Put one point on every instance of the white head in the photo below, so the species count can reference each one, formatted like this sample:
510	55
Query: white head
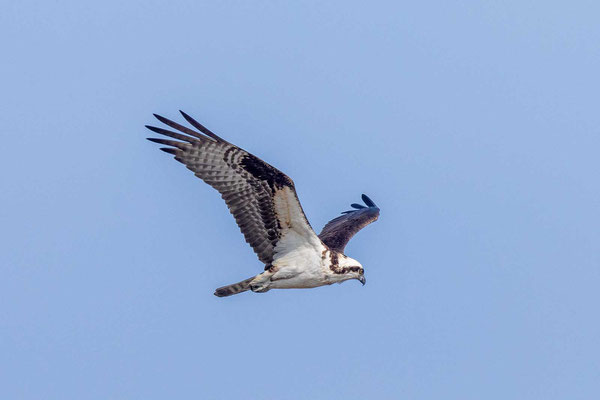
347	268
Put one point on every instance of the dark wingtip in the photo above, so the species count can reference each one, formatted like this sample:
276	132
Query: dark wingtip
166	121
368	201
153	128
159	141
200	127
192	121
169	150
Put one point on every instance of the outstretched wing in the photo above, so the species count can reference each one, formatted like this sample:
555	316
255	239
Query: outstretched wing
261	198
338	232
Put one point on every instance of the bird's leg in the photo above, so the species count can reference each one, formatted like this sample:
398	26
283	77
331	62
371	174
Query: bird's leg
261	282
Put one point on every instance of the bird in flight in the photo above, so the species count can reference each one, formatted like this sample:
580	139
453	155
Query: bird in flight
265	206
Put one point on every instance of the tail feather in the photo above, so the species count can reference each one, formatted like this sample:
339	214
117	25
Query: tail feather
234	288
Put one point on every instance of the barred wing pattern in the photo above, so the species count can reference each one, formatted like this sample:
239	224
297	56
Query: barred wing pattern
246	183
340	230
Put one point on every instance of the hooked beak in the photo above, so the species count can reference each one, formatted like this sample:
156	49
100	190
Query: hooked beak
362	279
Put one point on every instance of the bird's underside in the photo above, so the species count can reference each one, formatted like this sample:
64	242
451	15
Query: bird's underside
265	206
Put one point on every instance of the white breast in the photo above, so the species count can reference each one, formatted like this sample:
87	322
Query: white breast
300	265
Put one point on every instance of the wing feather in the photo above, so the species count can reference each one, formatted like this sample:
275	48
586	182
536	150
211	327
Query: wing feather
252	189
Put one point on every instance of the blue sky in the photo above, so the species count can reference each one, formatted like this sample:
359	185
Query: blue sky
474	126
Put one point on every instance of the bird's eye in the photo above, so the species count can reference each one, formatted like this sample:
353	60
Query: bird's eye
361	271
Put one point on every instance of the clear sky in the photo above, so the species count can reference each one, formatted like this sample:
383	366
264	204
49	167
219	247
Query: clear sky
474	125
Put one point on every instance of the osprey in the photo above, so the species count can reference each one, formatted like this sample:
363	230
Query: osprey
266	208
